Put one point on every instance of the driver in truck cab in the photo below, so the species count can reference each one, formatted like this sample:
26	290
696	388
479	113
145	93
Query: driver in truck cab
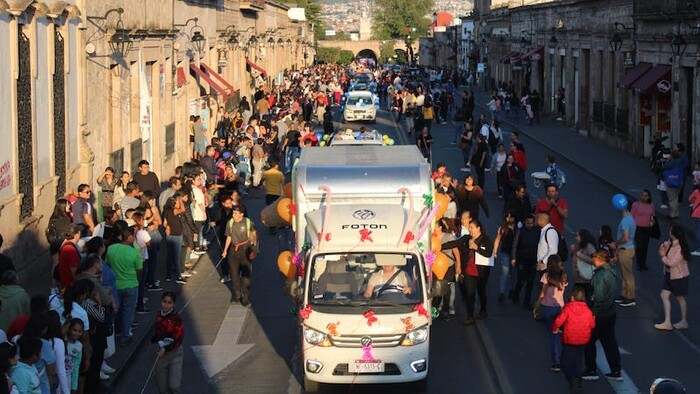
389	275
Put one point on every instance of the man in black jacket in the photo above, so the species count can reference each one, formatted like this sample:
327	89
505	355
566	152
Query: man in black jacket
520	204
524	259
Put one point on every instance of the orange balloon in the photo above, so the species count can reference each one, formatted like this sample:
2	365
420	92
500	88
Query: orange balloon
443	201
288	190
283	209
441	265
435	243
284	263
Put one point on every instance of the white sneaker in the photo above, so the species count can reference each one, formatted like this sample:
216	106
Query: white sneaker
225	279
103	376
186	275
663	206
107	369
464	169
695	253
487	169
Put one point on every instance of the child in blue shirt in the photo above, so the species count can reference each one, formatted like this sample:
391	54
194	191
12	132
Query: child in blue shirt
24	374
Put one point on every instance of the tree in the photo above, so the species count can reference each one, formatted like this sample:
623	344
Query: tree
334	55
386	51
396	19
313	15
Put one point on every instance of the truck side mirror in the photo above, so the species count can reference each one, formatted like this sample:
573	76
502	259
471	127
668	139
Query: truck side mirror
291	288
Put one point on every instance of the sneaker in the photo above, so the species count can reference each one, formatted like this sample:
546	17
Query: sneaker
168	280
482	315
590	375
555	368
663	206
681	325
619	299
487	169
225	279
628	303
103	376
614	376
453	143
107	369
153	287
464	169
695	253
181	281
143	311
186	275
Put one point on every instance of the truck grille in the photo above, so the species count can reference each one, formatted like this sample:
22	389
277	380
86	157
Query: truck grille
389	369
390	340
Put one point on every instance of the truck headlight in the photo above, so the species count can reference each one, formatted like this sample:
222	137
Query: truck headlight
316	337
415	337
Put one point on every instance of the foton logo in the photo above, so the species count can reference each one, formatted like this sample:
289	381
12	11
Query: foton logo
363	214
663	85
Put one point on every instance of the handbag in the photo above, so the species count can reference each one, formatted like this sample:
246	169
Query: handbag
585	270
655	230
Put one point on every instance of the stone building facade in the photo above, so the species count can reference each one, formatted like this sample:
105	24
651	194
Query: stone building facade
71	106
605	67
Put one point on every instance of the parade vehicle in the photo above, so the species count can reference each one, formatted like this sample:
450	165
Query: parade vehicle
360	105
359	271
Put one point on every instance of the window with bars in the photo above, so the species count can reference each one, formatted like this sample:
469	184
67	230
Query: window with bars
170	139
59	116
25	134
136	148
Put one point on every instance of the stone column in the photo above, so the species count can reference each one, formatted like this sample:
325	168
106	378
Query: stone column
675	101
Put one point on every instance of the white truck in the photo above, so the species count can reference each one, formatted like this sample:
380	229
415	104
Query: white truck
361	229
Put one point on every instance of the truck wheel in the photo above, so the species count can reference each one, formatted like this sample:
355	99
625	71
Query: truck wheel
310	386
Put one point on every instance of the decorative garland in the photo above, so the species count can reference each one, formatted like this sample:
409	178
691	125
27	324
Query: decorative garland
306	312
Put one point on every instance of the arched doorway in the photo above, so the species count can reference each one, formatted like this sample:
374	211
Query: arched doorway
367	57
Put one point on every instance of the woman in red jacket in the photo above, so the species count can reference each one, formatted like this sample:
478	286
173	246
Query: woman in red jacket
168	337
577	321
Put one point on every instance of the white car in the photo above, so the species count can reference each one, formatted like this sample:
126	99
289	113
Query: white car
360	105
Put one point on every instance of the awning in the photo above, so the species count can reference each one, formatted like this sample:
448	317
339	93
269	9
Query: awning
535	54
634	74
516	58
655	81
224	88
181	77
506	59
256	67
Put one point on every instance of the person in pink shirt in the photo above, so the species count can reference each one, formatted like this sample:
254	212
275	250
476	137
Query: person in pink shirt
643	214
694	200
675	255
550	303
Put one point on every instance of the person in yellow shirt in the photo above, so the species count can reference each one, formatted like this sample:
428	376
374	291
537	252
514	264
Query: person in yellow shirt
274	181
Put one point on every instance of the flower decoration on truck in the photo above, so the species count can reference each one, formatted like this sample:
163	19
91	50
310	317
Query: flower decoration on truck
421	311
367	353
366	235
333	329
327	237
409	237
369	315
293	209
427	199
305	312
408	324
430	259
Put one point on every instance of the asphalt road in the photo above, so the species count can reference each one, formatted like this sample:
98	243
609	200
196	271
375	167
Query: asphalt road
506	353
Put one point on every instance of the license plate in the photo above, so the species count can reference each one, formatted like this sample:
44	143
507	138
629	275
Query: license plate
362	366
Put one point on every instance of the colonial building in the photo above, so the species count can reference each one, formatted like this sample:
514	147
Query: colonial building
91	84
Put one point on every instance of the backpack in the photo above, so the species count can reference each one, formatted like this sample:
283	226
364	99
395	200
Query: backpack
673	176
562	248
251	251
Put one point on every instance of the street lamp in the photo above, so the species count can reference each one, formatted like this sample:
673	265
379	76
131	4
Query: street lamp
615	42
197	38
120	43
678	45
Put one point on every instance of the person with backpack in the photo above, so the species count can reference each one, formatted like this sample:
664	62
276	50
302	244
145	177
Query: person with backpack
673	174
548	244
241	239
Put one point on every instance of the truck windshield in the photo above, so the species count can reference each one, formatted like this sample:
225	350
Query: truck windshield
366	279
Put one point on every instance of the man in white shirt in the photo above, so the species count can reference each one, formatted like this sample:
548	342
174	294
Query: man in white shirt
549	242
199	213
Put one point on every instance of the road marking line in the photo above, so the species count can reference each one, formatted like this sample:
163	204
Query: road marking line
627	385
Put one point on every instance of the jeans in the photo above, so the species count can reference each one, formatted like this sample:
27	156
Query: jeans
174	244
548	314
126	312
481	282
572	357
465	154
504	260
290	157
153	252
142	285
605	332
641	245
626	257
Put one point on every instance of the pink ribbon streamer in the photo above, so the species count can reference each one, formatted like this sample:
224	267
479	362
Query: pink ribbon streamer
409	219
428	221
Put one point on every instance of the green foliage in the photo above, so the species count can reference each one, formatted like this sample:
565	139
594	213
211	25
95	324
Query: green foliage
334	55
339	36
396	19
386	51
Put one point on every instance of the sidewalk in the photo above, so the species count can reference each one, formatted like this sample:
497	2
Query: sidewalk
619	170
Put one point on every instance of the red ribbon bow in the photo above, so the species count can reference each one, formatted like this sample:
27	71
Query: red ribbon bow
369	315
366	235
304	313
328	237
293	209
421	311
409	237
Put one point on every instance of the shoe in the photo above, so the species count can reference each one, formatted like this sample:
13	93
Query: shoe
135	324
103	376
560	119
628	303
451	312
487	169
614	376
681	325
168	280
181	281
663	206
465	169
590	375
234	300
695	253
469	322
501	298
153	287
482	315
186	275
245	301
555	368
107	369
664	327
145	300
619	299
143	311
225	279
453	143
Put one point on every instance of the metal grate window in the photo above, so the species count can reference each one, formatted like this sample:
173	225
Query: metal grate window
59	116
116	161
136	149
25	134
170	139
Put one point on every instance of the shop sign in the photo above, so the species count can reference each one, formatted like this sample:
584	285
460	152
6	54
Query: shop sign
663	86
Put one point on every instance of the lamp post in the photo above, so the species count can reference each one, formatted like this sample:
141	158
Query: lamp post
485	61
678	47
